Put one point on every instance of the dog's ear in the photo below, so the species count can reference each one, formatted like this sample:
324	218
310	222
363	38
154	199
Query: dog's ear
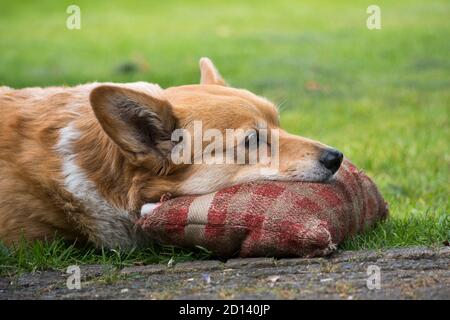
140	124
209	73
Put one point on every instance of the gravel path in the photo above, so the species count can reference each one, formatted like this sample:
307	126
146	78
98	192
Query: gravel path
411	273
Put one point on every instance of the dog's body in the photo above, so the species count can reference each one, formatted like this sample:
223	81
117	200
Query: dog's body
82	161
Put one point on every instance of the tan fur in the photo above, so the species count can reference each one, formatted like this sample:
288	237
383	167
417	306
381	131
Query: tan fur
34	198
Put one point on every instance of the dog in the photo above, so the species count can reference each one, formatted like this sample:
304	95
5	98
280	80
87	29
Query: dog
80	162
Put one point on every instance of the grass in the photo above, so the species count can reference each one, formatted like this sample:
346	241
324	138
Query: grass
59	255
382	97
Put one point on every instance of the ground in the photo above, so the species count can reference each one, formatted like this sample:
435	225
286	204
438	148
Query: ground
380	96
414	273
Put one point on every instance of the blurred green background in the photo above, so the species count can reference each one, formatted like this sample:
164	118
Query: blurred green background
380	96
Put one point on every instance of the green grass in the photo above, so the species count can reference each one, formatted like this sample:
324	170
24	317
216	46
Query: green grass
59	255
382	97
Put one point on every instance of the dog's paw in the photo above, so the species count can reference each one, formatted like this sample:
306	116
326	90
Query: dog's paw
148	208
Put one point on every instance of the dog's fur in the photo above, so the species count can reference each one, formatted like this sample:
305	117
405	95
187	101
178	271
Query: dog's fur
82	161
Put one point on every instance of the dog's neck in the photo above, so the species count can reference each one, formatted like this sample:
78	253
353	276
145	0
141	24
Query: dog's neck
96	172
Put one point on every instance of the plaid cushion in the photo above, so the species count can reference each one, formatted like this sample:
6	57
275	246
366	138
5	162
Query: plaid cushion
271	218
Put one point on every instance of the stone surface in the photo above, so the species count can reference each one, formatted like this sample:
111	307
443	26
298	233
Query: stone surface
411	273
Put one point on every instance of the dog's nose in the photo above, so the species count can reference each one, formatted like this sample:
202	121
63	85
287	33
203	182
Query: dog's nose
331	159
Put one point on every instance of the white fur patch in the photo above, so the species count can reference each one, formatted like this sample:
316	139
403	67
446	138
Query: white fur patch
112	224
148	208
208	179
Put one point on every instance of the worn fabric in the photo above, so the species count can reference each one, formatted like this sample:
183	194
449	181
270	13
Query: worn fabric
270	218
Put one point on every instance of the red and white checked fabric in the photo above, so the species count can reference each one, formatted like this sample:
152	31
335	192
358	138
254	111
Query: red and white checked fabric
270	218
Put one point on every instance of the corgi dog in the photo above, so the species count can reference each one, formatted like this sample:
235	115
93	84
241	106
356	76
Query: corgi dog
80	162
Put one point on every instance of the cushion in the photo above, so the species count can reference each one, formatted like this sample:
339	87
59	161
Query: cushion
269	218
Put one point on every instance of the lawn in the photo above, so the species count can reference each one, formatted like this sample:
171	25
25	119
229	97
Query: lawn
380	96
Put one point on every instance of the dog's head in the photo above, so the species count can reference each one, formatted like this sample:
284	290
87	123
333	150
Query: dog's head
197	139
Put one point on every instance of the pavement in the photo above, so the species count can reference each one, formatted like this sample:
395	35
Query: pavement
407	273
